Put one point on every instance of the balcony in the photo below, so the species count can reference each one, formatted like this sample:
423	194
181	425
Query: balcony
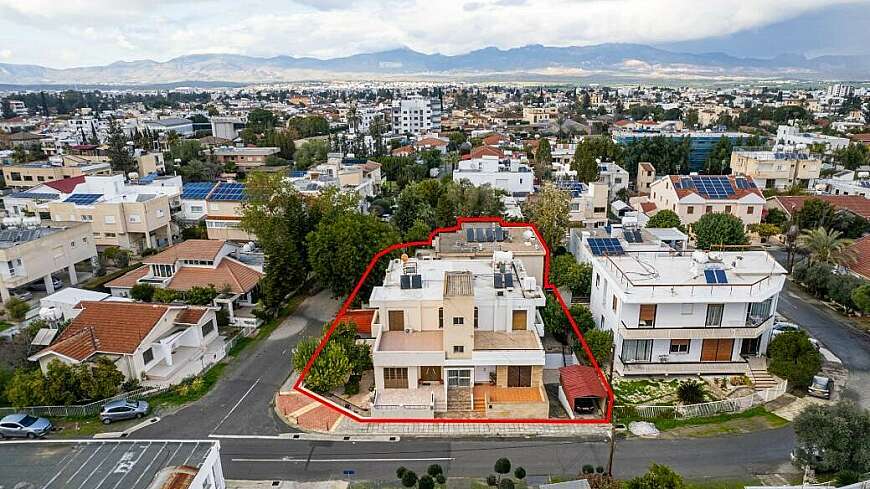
675	368
748	329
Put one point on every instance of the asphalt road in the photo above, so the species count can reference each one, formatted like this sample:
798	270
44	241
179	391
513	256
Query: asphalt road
240	404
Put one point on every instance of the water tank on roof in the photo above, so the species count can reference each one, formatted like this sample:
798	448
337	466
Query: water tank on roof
50	314
31	221
248	247
11	221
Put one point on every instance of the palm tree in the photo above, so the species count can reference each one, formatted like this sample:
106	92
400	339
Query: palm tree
827	246
353	117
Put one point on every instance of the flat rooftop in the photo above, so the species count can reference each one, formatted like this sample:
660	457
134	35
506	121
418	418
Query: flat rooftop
414	341
653	268
95	464
503	340
515	240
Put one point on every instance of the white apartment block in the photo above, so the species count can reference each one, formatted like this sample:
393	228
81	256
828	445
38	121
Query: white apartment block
416	115
613	176
792	136
844	183
777	168
683	313
361	177
839	90
458	336
515	178
693	196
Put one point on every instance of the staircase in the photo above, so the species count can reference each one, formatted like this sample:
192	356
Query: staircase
459	399
480	404
761	378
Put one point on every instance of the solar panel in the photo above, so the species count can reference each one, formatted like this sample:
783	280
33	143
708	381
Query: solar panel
196	190
864	183
714	187
720	277
498	280
34	195
149	178
490	235
228	191
710	276
632	236
508	280
416	281
469	235
479	235
83	199
605	246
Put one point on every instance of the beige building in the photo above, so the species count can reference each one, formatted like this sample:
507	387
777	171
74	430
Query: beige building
646	175
693	196
150	163
36	253
224	212
243	157
779	169
538	115
29	175
119	215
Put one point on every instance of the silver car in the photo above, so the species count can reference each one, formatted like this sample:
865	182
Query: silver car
24	426
821	387
123	409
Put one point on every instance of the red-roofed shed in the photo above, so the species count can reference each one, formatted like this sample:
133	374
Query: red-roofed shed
362	318
583	389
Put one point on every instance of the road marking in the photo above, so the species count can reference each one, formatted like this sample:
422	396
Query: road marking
344	460
312	437
239	402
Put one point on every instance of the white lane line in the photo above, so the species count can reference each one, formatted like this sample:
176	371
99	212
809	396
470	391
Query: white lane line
238	403
312	437
345	460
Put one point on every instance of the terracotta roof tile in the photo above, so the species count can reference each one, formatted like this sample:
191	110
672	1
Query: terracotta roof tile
129	279
581	381
855	203
240	277
861	248
66	185
647	207
481	151
191	315
362	318
107	327
192	249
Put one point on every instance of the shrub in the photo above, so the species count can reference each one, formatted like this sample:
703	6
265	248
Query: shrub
847	477
861	298
599	469
690	392
794	358
142	292
840	288
409	478
520	473
17	309
434	470
658	477
491	480
441	479
426	482
506	484
815	278
588	469
400	472
502	466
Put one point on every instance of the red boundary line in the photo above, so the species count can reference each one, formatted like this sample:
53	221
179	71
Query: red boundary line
547	285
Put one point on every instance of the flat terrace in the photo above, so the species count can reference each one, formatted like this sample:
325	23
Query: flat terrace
98	464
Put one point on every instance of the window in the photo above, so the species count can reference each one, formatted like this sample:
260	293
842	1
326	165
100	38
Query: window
636	350
72	244
458	321
647	316
395	378
597	280
714	314
207	328
110	219
84	239
196	208
441	317
476	317
148	356
758	311
750	209
430	374
615	303
87	218
709	209
728	209
680	346
160	213
458	349
134	218
109	235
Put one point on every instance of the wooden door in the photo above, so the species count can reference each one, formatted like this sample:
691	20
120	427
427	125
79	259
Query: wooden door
397	320
717	350
518	321
519	376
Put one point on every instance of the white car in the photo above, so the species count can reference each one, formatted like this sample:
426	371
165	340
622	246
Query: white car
780	327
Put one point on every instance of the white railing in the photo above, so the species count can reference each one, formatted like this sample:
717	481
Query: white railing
736	405
82	410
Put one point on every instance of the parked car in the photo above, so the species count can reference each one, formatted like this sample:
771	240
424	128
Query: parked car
39	285
780	327
123	409
22	295
24	426
821	387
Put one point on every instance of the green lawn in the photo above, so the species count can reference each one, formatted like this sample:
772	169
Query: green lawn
4	325
754	419
646	391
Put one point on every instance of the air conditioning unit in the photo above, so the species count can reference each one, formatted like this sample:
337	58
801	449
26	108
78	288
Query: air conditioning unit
664	358
408	330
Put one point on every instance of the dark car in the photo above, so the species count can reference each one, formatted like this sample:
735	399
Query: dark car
24	426
821	387
39	286
123	409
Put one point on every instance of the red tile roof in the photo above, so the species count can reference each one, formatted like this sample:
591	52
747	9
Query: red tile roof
430	142
239	277
191	315
130	278
861	138
403	151
647	207
481	151
362	318
192	249
107	327
861	248
581	381
494	139
66	185
855	203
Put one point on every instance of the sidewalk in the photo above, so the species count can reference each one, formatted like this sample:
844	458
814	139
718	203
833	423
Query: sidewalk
591	432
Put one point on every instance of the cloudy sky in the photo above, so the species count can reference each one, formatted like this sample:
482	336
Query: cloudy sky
64	33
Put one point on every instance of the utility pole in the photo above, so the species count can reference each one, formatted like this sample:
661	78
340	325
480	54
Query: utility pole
612	425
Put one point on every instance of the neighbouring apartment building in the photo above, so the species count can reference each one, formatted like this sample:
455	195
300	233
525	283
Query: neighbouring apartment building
683	313
416	115
646	175
692	196
243	157
588	205
515	178
29	175
777	168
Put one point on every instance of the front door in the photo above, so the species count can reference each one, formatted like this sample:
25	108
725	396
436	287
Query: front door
519	376
750	346
717	350
458	378
397	320
518	321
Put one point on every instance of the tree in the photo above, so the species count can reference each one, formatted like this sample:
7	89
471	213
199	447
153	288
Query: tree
587	154
827	246
434	470
282	140
549	212
426	482
815	277
339	250
199	171
840	288
555	322
718	229
668	155
814	213
776	217
310	153
142	292
665	218
201	296
719	157
566	272
520	473
765	230
260	120
164	296
861	298
330	369
852	156
506	484
17	308
184	150
119	154
794	358
276	213
409	479
600	343
833	438
502	466
543	159
26	388
657	477
103	379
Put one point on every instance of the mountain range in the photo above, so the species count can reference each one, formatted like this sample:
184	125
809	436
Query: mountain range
532	62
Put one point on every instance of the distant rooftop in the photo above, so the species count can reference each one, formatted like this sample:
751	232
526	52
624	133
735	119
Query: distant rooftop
14	236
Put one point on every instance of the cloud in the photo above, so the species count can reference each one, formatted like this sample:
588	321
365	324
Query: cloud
103	31
5	53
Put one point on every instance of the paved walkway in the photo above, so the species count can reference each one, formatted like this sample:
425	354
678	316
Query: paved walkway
487	430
